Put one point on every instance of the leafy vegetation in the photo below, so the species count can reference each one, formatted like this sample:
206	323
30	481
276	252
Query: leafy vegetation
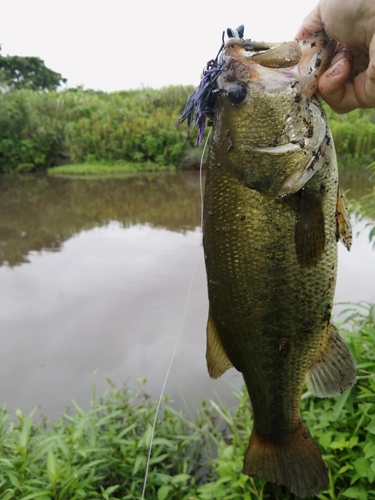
364	208
39	130
102	453
354	136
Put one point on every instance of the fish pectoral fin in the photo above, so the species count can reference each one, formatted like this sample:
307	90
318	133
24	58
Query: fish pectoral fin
309	232
333	370
343	225
216	357
293	461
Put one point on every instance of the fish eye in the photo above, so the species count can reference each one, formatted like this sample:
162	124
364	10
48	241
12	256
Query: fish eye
237	92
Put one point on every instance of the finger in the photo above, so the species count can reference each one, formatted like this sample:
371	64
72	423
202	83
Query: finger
343	53
310	25
344	95
332	86
359	93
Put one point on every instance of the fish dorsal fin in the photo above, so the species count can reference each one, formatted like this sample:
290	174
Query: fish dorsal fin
217	359
309	228
333	370
343	226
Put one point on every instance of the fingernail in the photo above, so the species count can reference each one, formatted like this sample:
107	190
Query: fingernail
336	69
341	54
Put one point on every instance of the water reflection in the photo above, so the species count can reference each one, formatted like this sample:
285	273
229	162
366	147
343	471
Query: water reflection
113	297
113	300
41	212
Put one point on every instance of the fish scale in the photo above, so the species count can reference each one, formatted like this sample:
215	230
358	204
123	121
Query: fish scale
261	314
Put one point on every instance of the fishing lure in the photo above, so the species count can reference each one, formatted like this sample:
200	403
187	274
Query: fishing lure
200	105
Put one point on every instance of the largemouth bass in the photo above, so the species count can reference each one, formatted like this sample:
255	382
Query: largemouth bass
273	215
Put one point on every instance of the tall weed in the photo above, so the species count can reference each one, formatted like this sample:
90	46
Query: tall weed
102	453
40	130
354	136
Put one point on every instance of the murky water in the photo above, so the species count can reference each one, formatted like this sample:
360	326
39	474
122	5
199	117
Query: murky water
100	277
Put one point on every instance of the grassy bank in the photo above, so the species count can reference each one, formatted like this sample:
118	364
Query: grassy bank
101	453
105	169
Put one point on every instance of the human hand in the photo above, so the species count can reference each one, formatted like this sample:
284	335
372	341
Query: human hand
349	82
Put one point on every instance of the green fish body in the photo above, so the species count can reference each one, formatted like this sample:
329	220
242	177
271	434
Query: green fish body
272	217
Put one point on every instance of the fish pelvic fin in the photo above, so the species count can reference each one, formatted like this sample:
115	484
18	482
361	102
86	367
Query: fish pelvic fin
333	370
343	226
216	357
294	462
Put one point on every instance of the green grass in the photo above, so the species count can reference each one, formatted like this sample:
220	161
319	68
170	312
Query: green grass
108	169
101	453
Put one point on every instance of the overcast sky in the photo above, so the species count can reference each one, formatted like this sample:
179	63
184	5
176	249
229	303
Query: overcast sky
126	44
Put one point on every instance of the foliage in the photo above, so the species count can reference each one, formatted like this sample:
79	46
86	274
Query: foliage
364	209
354	136
18	72
102	453
76	126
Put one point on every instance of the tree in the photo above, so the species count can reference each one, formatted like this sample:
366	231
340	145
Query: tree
27	72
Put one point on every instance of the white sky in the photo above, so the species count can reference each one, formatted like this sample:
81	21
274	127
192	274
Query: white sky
125	44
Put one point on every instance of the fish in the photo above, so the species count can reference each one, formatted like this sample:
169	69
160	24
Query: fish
272	218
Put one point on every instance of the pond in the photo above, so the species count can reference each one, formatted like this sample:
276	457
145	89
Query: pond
100	277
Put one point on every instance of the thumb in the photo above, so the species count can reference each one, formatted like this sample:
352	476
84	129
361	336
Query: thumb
310	25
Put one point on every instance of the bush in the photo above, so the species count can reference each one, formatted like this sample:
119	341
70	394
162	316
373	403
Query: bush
102	453
354	136
55	128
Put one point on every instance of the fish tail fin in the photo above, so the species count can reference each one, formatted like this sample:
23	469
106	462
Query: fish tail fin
294	462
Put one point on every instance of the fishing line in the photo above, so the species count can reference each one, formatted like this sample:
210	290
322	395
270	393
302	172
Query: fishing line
165	381
200	176
178	335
